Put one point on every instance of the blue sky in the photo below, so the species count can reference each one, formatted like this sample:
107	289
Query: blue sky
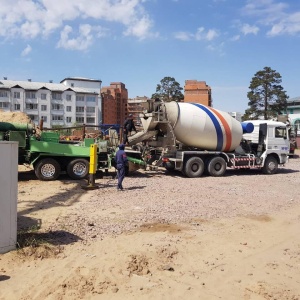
139	42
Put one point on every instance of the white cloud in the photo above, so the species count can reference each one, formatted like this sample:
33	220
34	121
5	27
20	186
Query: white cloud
288	25
140	28
248	29
29	19
26	51
235	38
209	35
201	34
183	36
84	38
217	48
278	16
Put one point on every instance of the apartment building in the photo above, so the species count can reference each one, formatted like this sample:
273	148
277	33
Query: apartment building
73	101
114	103
293	106
197	92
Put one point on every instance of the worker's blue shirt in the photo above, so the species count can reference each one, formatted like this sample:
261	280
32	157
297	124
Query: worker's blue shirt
121	159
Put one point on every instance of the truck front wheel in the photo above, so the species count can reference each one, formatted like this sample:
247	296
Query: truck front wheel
270	166
47	169
194	167
78	168
216	166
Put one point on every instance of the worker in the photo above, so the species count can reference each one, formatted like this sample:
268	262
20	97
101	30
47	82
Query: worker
128	128
121	163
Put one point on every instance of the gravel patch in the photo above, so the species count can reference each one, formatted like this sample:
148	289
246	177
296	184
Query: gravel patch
163	197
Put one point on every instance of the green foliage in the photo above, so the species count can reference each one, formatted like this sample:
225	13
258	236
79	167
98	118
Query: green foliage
267	98
168	90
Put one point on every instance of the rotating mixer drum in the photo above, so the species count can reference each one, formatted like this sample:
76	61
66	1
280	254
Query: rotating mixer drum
204	127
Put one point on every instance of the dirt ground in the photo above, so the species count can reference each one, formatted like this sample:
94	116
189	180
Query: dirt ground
164	237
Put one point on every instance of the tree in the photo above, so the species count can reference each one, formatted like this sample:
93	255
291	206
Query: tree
267	97
168	90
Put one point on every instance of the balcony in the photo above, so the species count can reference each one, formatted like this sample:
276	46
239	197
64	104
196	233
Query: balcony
31	101
58	112
57	122
29	111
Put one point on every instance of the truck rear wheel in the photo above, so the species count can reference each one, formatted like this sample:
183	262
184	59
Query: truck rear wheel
78	168
194	167
47	169
270	166
216	166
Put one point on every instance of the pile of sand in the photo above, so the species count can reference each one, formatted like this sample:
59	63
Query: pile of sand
14	117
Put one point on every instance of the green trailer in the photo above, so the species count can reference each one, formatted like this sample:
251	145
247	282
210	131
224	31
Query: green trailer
49	156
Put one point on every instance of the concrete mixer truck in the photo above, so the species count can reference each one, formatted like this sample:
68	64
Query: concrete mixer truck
196	139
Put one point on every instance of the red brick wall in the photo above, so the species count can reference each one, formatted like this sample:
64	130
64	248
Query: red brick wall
114	103
197	92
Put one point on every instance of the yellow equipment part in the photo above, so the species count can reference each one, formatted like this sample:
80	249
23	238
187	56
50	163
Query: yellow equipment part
93	159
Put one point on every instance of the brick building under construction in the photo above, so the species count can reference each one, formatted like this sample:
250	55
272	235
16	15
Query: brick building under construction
197	92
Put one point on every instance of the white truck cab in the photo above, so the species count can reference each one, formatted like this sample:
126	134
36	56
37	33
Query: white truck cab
272	137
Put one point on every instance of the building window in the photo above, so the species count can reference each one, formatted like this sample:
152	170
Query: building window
30	95
79	98
91	99
43	107
17	95
55	106
31	106
3	104
69	119
79	119
17	106
80	109
43	96
69	108
44	118
90	109
90	120
33	117
57	118
56	96
3	94
69	97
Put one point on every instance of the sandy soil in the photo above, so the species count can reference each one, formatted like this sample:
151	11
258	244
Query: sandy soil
164	237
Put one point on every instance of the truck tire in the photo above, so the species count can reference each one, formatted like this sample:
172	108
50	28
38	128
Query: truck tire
270	166
194	167
78	168
216	166
169	166
47	169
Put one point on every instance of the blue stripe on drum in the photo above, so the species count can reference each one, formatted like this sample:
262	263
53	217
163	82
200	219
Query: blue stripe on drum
216	124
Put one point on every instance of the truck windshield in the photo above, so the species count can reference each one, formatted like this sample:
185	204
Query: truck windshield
280	132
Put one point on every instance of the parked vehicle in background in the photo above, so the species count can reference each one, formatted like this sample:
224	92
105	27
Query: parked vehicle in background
293	133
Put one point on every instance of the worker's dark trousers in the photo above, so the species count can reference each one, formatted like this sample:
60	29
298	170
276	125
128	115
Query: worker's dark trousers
121	175
125	138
